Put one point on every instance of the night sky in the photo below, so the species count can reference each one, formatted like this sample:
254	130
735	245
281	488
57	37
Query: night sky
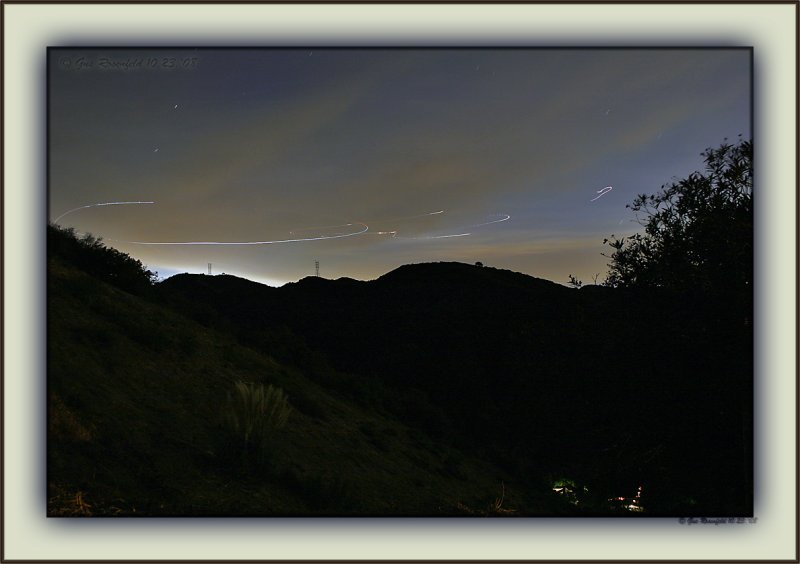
368	159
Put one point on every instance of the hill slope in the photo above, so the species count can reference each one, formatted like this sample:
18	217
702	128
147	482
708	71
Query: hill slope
136	393
436	389
608	386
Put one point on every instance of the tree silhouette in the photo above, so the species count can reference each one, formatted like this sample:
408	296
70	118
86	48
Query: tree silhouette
698	230
106	263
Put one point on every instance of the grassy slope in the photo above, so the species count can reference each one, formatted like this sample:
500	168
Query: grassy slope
613	388
135	393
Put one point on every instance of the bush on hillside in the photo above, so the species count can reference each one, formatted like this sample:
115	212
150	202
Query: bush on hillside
698	230
88	253
253	412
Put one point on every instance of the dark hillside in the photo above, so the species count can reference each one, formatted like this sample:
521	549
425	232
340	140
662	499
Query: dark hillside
608	385
413	394
136	396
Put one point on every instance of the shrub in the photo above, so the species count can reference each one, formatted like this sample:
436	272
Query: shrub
88	253
253	412
698	230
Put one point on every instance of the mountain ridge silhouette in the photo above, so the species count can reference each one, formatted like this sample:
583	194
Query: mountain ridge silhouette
445	369
522	369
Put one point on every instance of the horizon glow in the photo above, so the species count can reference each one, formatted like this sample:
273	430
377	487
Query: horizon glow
256	143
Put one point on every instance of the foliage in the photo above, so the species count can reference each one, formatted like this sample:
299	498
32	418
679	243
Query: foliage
493	509
66	504
698	230
90	254
574	282
253	412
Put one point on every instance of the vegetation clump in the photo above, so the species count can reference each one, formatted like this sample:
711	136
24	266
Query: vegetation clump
88	253
253	412
698	230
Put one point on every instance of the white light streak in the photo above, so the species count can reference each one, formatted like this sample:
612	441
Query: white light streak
393	232
352	232
438	236
240	243
602	192
98	205
415	216
447	236
320	228
506	218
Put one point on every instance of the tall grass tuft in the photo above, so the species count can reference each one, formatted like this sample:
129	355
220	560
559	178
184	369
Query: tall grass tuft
253	412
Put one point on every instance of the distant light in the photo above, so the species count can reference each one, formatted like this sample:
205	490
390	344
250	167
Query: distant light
99	205
602	192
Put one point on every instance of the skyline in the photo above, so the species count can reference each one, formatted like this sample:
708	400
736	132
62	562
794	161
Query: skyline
263	161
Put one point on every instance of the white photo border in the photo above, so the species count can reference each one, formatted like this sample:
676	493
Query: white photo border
771	29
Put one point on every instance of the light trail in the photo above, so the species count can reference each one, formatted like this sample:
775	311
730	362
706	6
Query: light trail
240	243
602	192
414	216
98	205
506	218
448	236
435	236
418	215
364	228
319	228
393	232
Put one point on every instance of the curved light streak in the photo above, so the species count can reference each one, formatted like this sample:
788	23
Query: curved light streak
240	243
506	218
319	228
365	228
445	236
416	216
98	205
436	236
602	192
448	236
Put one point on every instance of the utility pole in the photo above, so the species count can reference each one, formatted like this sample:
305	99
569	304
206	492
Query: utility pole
316	266
209	269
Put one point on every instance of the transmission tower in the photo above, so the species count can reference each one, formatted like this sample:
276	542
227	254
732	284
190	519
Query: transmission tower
316	266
